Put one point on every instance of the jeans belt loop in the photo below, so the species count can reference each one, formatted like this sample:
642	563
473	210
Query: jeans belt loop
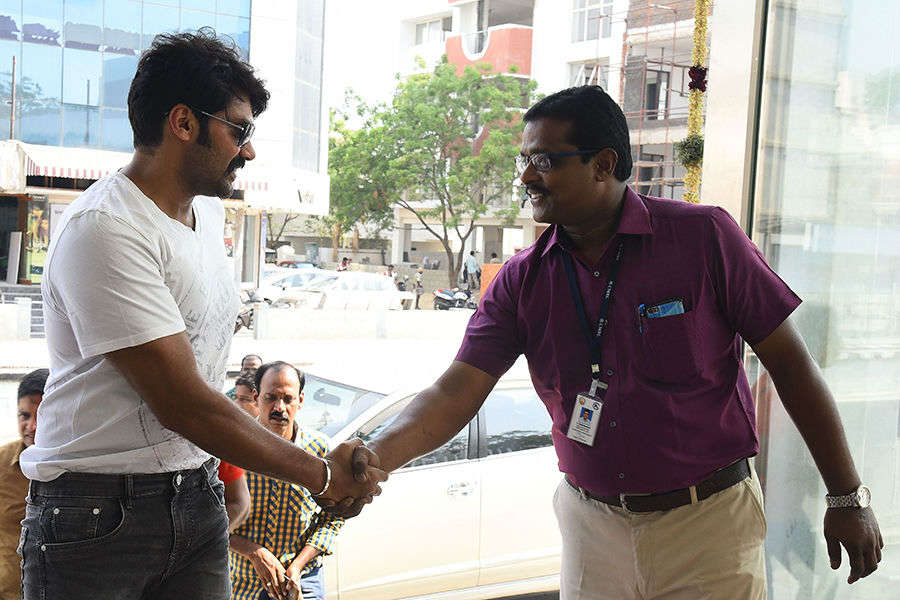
693	490
622	502
129	491
584	493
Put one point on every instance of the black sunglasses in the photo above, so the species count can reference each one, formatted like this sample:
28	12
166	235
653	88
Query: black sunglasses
246	130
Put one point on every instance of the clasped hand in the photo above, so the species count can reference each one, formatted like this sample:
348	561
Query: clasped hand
351	488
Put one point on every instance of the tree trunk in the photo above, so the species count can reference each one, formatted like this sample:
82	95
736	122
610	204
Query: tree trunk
335	242
356	240
452	270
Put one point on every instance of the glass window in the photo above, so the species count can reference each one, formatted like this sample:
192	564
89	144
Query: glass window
456	449
115	130
42	70
83	20
81	126
10	19
311	16
234	7
516	420
238	29
207	5
39	122
827	218
192	20
328	405
158	19
42	21
122	27
591	19
118	71
309	59
81	76
8	49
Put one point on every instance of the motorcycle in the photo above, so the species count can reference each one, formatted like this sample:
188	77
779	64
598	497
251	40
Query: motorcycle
445	299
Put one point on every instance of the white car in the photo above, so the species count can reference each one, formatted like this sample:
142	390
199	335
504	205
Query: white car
348	289
280	282
471	520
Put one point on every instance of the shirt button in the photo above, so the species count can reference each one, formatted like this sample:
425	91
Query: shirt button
596	273
621	475
55	511
178	479
96	511
43	547
609	372
612	423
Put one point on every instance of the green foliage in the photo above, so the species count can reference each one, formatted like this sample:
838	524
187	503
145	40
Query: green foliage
689	151
443	149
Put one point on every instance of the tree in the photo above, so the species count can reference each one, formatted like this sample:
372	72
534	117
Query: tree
277	225
444	150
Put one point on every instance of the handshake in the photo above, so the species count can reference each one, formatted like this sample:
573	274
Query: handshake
355	479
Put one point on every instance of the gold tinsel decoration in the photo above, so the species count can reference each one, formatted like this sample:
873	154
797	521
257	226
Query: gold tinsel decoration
695	108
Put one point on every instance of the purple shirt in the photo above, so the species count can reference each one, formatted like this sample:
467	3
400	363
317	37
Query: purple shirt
678	405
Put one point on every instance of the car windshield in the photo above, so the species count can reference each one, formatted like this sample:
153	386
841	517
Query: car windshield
320	282
328	405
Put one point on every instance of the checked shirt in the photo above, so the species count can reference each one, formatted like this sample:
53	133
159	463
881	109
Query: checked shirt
283	518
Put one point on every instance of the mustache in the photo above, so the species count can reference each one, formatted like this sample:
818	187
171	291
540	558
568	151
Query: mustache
237	163
277	416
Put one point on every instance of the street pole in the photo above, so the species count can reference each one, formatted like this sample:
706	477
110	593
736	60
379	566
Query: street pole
12	108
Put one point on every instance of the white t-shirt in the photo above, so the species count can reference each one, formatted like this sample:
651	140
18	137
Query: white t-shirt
121	273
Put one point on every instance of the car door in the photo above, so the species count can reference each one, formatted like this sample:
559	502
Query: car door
421	535
519	538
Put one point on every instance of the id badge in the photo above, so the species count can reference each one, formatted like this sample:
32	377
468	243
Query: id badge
585	419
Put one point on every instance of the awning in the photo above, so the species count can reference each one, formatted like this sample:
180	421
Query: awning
88	163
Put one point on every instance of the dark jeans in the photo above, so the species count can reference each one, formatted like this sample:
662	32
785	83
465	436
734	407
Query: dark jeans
99	537
312	586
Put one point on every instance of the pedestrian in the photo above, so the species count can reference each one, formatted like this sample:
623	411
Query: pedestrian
249	365
140	308
631	311
345	262
237	496
495	260
419	286
14	485
279	550
473	271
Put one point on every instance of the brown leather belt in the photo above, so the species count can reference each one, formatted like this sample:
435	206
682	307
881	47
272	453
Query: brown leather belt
718	481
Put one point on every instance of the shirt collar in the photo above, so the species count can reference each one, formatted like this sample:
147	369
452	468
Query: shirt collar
635	220
14	459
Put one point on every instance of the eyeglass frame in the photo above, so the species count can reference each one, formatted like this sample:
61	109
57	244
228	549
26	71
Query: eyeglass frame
529	160
246	130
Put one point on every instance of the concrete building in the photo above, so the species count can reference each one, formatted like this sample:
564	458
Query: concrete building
73	65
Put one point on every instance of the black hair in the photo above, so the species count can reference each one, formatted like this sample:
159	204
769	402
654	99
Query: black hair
251	356
33	383
278	365
246	381
596	122
197	69
472	252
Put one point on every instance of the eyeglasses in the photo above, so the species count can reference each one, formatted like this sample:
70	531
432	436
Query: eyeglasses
543	161
246	130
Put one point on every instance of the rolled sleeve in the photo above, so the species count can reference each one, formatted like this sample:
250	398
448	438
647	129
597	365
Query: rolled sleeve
492	342
325	532
753	297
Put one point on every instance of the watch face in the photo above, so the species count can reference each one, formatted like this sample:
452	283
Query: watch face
864	496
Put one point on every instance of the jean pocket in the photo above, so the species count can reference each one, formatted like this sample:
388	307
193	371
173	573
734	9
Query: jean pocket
670	348
217	490
77	522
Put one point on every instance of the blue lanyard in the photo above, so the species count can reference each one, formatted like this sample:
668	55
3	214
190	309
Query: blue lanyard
593	340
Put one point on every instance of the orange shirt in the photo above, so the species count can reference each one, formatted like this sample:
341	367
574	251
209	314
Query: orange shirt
229	473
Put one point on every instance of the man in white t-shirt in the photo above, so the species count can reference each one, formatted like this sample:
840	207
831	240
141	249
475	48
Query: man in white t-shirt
140	306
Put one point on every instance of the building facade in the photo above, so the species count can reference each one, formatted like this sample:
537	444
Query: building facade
72	62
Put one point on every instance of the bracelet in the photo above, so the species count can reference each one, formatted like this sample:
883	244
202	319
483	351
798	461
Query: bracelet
327	478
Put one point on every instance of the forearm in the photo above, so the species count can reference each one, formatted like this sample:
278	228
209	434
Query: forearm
237	514
811	406
242	546
302	559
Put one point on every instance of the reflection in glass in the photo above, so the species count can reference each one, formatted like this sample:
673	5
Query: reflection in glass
39	123
83	20
42	21
8	49
118	71
122	27
234	7
10	19
115	130
828	220
42	67
81	77
238	29
207	5
192	20
158	19
81	126
516	420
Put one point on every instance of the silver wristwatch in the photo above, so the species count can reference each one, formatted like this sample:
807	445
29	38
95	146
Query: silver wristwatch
859	498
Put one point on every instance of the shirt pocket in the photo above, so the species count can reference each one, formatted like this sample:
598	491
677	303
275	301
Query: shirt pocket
670	348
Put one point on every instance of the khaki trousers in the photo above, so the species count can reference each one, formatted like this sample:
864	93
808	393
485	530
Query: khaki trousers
712	550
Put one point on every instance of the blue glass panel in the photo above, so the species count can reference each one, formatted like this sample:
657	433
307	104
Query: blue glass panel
308	63
118	71
234	7
82	24
238	29
42	21
115	130
81	77
122	27
39	123
311	17
208	5
81	126
192	20
10	19
158	19
8	49
42	71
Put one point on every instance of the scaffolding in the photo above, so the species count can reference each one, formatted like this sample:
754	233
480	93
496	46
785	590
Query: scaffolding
653	80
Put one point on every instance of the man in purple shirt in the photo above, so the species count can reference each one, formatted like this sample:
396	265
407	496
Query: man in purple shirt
632	311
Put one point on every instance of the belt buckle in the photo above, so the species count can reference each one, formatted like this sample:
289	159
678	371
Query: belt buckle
622	502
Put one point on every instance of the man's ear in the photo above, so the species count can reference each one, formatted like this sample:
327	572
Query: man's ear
605	163
182	122
255	395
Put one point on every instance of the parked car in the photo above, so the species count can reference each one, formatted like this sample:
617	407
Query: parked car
472	520
295	264
279	283
348	289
